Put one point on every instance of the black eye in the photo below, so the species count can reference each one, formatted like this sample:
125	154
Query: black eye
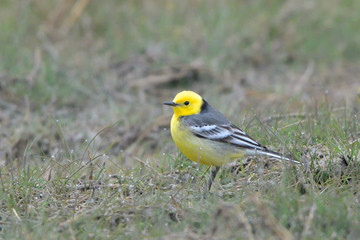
186	103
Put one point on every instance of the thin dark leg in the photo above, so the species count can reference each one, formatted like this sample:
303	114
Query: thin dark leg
212	177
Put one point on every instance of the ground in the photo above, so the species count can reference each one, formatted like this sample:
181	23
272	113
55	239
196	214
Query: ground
85	147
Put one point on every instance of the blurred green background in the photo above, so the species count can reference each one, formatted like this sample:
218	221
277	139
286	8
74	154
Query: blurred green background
82	84
91	63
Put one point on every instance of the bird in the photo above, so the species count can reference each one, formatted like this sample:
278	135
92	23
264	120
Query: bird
206	136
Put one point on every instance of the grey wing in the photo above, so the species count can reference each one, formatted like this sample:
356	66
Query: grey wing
227	134
231	134
215	127
212	125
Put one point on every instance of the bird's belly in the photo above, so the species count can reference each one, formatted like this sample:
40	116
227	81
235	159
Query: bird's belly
204	151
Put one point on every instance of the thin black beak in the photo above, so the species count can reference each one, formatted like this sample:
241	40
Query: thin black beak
171	104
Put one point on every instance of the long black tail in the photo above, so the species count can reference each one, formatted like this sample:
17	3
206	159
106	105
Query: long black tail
274	154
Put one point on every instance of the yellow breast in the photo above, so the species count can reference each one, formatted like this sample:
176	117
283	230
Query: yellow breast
201	150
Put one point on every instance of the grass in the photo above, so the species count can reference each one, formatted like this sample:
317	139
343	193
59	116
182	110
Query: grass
86	151
71	195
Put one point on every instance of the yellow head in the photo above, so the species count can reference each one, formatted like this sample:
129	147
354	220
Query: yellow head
186	103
